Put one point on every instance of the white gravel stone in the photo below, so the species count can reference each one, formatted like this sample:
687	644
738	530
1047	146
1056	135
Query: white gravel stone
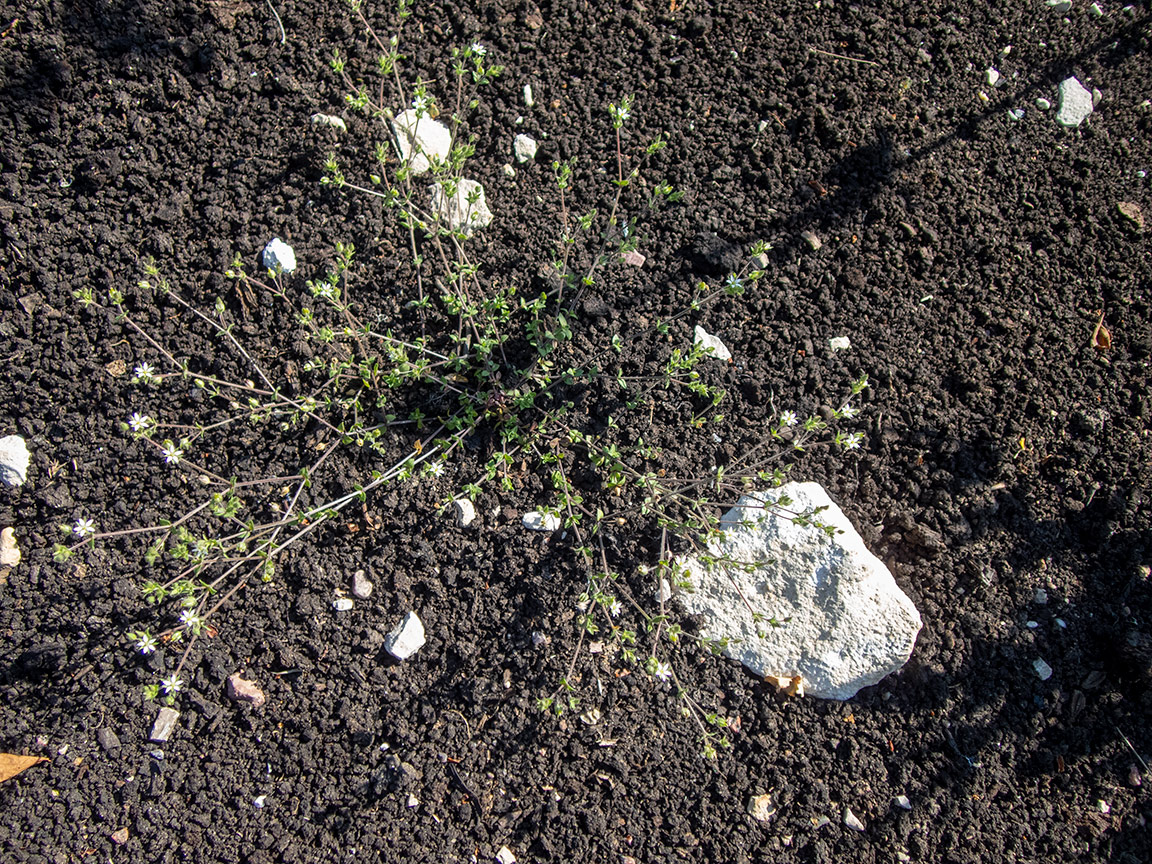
164	726
1040	598
407	638
329	120
851	820
1095	11
505	856
664	592
1061	6
9	551
1075	103
457	210
634	259
1097	98
1043	104
524	148
843	623
278	255
361	585
342	604
813	241
839	343
529	99
509	171
992	76
760	808
421	139
465	512
1043	670
14	460
902	802
534	520
705	339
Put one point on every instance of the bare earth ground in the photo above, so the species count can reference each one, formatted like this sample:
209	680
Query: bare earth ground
968	256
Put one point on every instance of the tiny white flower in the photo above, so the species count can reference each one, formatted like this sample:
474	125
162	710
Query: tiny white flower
139	422
172	684
191	620
479	49
145	372
788	418
663	671
614	607
852	442
436	469
146	643
848	412
84	528
421	103
733	281
172	453
624	114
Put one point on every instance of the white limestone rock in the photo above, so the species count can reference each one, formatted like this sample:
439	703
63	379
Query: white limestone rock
465	512
705	339
14	459
278	255
460	213
842	623
407	638
330	120
9	549
524	147
421	139
1075	103
533	520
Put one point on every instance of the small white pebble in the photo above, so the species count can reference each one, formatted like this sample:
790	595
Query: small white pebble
902	802
528	98
509	171
982	96
1061	623
1031	625
278	254
1097	97
505	856
1041	597
1043	104
1095	11
851	820
1103	807
1043	670
992	76
342	604
258	801
839	343
413	801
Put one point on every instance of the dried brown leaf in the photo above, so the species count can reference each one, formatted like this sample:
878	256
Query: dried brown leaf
11	764
1101	337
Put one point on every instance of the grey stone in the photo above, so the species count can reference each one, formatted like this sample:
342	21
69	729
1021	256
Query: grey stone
711	344
240	690
465	512
533	520
361	586
164	726
1075	103
107	740
524	148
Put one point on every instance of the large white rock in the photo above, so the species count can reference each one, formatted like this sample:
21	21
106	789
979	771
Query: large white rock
14	460
524	147
841	622
278	255
1075	103
421	139
460	213
707	341
407	638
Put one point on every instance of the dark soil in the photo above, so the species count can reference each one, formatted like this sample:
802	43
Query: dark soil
968	257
